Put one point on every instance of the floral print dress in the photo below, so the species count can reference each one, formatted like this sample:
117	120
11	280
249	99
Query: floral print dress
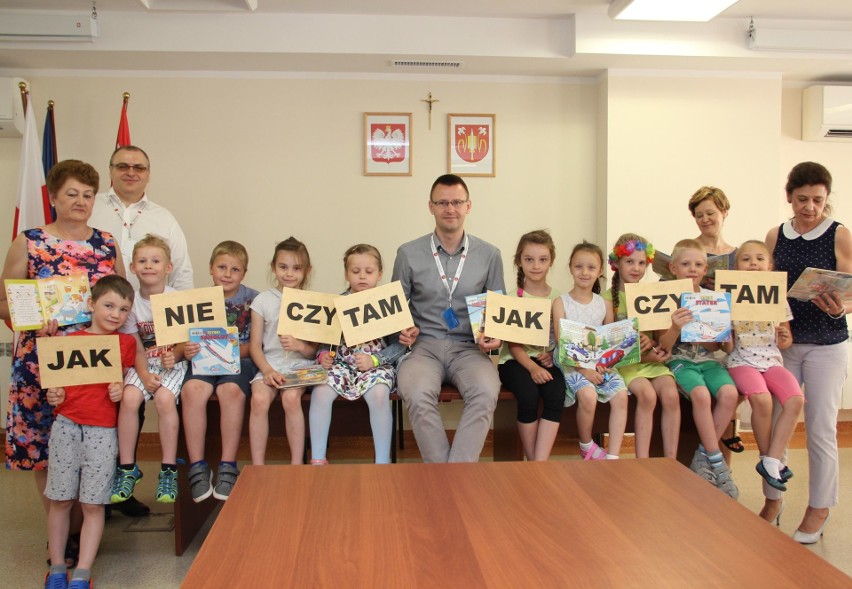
29	416
350	383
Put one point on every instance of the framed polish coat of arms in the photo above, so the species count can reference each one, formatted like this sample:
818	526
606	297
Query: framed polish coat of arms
471	149
387	144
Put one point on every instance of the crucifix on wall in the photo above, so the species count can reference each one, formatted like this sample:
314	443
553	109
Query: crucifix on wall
430	101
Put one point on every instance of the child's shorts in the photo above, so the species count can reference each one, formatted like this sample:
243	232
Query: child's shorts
689	375
172	379
605	391
777	381
243	380
82	462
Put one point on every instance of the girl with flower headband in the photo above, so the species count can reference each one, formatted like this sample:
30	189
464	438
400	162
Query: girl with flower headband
650	378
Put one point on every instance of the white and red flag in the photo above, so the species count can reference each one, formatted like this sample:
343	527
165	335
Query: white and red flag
33	208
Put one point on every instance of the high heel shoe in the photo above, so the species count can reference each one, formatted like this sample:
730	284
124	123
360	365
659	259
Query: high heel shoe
805	538
777	517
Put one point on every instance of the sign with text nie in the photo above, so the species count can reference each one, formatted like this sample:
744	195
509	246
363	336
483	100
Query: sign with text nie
373	313
88	359
521	320
175	312
309	316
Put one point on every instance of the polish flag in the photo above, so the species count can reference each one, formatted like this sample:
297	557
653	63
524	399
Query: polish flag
33	208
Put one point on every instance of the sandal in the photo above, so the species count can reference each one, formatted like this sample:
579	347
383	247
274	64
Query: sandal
734	443
319	462
594	453
72	551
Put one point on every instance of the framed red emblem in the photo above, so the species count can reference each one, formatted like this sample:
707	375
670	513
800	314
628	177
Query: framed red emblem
387	144
471	144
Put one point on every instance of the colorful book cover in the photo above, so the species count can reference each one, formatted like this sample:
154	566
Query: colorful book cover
816	281
661	261
593	346
305	377
711	317
220	350
33	303
476	312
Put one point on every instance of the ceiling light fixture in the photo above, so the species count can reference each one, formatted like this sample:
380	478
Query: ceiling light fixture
669	10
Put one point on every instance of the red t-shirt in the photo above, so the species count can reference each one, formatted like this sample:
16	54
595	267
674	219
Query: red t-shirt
89	404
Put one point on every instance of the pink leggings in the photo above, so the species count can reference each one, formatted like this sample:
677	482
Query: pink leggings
777	380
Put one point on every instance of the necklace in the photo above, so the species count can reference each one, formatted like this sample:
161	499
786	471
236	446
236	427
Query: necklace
128	226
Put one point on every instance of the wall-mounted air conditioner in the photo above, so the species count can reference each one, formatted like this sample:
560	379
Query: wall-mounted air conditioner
34	26
11	108
827	113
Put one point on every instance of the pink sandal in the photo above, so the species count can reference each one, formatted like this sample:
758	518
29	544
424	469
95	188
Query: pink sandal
319	462
594	453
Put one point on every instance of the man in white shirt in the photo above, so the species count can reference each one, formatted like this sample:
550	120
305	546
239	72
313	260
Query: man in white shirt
126	212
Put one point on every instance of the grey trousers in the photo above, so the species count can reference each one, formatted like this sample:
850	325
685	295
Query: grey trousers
822	371
432	363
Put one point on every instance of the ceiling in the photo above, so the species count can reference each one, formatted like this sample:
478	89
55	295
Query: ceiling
544	38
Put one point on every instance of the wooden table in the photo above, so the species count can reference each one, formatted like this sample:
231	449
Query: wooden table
628	523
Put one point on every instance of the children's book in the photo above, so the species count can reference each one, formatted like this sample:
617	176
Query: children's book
32	303
305	377
711	317
714	262
476	311
816	281
220	350
593	346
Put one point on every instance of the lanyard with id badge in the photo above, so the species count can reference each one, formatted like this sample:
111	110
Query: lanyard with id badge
449	315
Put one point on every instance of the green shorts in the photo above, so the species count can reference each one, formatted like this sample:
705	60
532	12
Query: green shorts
689	375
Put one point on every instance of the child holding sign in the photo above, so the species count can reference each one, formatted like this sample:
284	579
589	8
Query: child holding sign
528	371
365	370
699	376
274	354
755	364
650	378
158	374
586	386
228	266
83	442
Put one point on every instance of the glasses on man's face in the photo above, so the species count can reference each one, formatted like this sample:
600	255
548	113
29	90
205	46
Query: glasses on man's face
122	167
443	204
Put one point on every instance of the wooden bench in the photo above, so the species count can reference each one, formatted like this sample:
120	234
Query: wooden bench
353	419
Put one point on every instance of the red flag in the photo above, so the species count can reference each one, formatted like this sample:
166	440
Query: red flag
33	209
123	128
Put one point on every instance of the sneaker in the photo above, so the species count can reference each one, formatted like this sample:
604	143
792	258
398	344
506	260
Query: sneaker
81	584
724	481
226	478
56	581
125	482
200	476
167	486
699	462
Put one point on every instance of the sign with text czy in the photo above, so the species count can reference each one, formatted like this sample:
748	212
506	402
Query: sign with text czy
90	359
175	312
309	316
653	303
755	296
373	313
520	320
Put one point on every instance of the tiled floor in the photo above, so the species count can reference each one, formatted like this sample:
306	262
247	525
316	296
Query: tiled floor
146	559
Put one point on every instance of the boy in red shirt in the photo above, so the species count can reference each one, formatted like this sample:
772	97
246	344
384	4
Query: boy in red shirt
84	442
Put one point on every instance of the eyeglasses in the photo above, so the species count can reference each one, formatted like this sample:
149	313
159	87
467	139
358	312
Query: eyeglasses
443	204
122	167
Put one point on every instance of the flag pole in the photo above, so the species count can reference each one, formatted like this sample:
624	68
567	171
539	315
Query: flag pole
24	94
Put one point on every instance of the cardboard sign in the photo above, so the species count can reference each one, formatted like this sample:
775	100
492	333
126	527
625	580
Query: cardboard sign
87	359
175	312
653	303
521	320
755	296
373	313
309	316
